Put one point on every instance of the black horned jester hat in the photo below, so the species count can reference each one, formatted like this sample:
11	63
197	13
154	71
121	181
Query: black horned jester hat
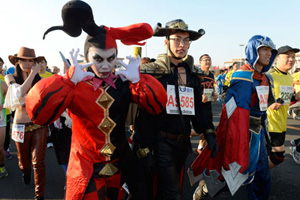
77	16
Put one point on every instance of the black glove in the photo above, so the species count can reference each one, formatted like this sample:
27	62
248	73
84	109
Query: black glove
211	142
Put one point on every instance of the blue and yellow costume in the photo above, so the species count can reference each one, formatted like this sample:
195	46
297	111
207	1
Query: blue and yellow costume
242	156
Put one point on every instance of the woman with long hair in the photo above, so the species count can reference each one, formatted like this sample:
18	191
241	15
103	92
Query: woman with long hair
30	138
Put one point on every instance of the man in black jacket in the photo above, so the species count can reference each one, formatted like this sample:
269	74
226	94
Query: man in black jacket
171	129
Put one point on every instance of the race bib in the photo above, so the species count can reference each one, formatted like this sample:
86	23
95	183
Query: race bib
230	107
263	94
209	93
186	98
18	132
286	93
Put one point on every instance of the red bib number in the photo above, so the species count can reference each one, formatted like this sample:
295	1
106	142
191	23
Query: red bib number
18	132
186	98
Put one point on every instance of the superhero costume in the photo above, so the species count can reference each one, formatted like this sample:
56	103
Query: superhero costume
242	156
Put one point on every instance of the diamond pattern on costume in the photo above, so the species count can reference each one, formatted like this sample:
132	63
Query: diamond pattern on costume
107	125
105	100
108	149
108	170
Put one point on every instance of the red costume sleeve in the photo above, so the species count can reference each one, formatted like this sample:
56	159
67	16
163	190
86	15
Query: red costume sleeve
48	99
149	94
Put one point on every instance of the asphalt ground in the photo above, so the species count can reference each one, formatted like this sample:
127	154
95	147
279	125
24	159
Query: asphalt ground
285	177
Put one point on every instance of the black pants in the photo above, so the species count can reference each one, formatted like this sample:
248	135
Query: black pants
170	156
145	174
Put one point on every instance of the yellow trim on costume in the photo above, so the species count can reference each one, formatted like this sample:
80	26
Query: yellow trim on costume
245	79
107	124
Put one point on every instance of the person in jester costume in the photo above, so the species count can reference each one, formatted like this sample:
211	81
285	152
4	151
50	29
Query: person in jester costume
97	100
242	133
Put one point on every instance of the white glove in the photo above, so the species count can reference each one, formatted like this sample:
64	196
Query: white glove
78	74
132	72
68	121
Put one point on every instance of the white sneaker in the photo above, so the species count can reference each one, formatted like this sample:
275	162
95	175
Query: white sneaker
295	155
292	142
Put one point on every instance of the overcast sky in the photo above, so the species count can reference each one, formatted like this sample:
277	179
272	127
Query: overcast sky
228	24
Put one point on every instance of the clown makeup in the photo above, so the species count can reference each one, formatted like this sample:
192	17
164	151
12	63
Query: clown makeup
103	61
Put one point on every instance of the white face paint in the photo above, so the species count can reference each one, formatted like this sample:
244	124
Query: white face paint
103	61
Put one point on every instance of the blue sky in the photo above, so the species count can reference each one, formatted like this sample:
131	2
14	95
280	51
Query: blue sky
228	24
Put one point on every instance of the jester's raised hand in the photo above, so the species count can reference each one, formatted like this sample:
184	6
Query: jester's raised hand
79	74
132	72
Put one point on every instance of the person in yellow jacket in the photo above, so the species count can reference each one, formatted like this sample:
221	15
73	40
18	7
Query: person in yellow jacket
284	93
229	74
43	72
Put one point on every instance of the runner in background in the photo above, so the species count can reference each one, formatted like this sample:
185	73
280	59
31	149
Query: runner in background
284	93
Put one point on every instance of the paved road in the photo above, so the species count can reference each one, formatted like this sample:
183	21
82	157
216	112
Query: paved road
285	178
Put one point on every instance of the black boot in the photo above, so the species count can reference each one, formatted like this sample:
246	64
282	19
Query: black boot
26	178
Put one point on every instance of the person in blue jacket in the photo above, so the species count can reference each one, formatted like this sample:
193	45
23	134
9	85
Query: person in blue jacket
242	135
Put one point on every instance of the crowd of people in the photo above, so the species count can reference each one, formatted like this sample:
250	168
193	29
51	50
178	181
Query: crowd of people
84	112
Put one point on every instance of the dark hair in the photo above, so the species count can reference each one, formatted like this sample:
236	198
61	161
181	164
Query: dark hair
203	56
175	31
145	60
1	60
221	70
230	67
19	78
